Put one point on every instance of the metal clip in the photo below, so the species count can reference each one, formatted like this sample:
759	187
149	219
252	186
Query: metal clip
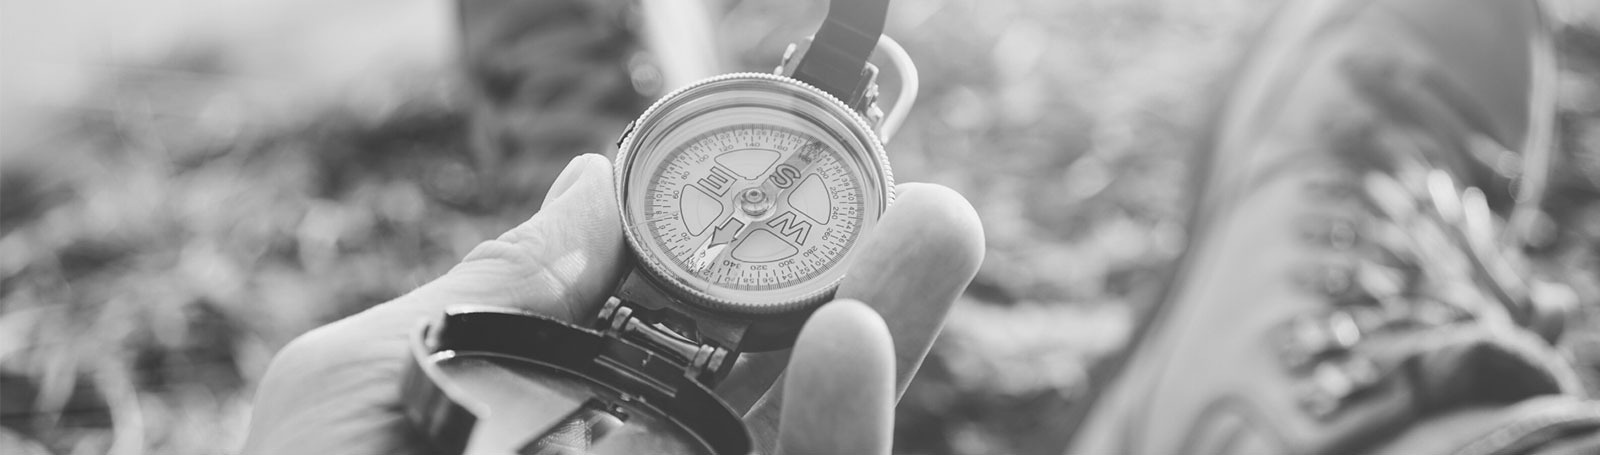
702	363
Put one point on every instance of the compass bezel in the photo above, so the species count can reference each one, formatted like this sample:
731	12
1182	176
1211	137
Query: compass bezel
860	144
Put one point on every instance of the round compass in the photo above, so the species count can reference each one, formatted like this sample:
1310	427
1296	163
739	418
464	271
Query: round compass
744	199
750	193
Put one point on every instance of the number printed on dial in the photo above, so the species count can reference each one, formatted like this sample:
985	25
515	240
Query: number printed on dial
754	207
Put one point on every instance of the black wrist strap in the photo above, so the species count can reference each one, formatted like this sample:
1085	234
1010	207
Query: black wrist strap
839	51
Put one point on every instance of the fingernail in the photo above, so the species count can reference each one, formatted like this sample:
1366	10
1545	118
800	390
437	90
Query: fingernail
569	177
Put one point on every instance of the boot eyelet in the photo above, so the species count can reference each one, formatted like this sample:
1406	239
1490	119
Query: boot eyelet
1333	384
1307	340
1337	233
1336	282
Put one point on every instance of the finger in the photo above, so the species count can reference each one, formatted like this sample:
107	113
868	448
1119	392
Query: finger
840	386
923	254
563	262
918	259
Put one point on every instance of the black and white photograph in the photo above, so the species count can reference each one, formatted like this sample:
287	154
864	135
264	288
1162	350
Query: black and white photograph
796	227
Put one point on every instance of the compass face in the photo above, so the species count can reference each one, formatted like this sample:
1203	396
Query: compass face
750	201
714	185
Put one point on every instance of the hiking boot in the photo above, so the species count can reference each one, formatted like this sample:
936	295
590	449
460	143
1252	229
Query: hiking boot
1351	283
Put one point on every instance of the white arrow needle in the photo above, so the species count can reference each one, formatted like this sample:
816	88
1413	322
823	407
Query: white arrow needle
719	240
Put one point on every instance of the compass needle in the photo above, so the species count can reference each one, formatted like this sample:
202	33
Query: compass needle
717	243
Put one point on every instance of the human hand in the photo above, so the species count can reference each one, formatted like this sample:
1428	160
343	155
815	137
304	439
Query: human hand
336	389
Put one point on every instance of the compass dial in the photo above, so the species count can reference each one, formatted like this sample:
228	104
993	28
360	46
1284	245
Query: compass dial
755	207
750	205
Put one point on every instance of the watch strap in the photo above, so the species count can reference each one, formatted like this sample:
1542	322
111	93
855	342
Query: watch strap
838	52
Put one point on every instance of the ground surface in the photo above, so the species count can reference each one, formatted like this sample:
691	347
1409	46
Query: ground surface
174	208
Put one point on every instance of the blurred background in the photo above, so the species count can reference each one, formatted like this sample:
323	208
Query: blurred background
186	185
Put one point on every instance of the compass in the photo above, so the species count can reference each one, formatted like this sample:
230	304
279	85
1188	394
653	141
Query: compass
745	196
744	199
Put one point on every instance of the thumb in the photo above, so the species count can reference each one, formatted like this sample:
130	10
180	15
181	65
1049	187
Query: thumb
561	263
